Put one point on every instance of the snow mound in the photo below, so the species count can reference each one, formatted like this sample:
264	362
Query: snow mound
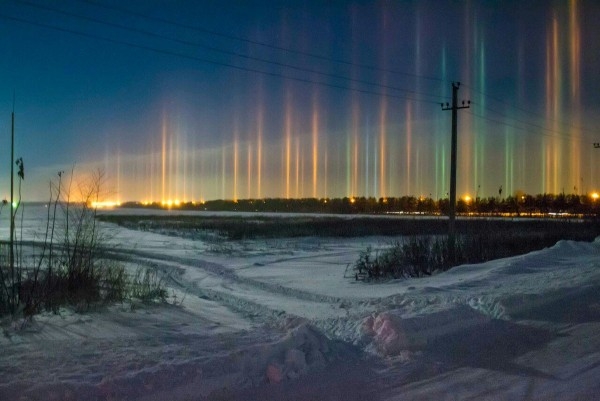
391	334
489	307
114	367
302	350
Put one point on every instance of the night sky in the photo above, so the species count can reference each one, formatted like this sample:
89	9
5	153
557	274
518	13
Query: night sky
199	100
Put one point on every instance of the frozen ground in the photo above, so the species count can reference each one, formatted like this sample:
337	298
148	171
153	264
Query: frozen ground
277	319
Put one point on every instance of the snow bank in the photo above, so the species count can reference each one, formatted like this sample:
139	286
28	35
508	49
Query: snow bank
300	351
130	366
391	334
303	349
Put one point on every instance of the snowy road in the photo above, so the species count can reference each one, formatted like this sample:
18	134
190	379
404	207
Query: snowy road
277	319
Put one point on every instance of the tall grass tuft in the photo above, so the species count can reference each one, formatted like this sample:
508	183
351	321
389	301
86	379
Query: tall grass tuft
146	285
420	256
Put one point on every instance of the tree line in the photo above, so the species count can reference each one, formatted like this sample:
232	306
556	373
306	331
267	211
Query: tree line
518	205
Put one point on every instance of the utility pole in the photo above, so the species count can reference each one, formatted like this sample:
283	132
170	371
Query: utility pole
455	107
12	216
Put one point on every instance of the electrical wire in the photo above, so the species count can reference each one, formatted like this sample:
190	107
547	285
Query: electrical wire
551	132
553	135
222	51
527	111
259	43
209	61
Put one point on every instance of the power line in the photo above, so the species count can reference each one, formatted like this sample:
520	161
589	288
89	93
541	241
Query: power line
492	120
216	49
534	125
345	62
528	111
268	73
204	60
259	43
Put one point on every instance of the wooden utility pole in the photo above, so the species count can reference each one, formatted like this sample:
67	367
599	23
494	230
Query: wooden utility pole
12	215
455	107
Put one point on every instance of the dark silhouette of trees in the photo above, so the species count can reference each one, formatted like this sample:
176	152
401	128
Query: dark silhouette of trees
518	205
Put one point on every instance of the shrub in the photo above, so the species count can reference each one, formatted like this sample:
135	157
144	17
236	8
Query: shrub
412	258
420	256
146	286
415	258
115	283
71	268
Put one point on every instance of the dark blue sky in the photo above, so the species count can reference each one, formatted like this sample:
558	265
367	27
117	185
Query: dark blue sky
202	100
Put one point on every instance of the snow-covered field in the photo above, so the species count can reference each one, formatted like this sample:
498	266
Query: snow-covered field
278	320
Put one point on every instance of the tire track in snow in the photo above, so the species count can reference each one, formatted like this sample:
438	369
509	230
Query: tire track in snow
239	294
230	274
274	304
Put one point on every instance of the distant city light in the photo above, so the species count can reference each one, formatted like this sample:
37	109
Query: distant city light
105	204
171	203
